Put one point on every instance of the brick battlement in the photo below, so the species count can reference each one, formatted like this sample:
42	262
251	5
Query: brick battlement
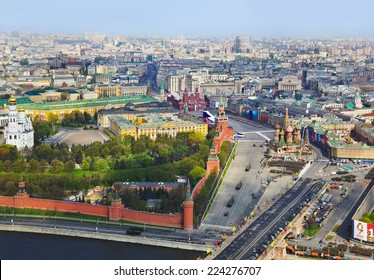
170	220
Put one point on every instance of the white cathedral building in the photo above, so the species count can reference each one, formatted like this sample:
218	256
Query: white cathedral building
18	131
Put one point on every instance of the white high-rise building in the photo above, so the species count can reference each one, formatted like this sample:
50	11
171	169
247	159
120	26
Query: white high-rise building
19	131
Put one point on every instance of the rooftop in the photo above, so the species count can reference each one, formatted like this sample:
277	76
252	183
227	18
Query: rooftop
21	100
122	122
61	105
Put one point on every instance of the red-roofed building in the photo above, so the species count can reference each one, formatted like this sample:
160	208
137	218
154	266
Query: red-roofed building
188	101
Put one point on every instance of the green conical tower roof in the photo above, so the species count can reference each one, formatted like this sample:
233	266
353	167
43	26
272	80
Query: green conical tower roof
188	193
116	196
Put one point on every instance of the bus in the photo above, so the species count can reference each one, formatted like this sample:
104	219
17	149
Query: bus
238	135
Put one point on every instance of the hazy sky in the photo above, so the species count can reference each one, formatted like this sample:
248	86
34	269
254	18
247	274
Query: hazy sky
274	18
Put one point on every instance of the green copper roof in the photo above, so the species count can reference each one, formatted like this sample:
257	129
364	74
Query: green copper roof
116	196
61	105
21	100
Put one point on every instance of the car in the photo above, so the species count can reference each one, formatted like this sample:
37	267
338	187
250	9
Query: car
248	167
230	202
239	185
226	213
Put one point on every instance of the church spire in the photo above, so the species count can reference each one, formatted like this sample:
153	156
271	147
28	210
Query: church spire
188	192
286	119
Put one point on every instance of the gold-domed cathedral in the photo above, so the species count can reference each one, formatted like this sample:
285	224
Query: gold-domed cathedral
288	138
19	131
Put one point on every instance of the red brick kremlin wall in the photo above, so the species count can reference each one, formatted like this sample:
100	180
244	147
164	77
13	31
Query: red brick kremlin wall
171	220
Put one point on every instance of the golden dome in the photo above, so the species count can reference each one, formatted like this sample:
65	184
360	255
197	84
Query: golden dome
12	100
21	110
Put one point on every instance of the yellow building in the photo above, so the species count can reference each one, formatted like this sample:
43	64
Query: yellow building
135	114
152	127
121	126
62	108
108	90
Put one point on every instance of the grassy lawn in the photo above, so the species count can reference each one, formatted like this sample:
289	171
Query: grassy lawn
312	231
329	237
335	228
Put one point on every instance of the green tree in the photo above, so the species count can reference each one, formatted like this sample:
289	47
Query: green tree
56	154
86	164
34	166
78	157
105	152
53	119
1	165
148	161
57	166
44	151
10	188
100	165
79	118
69	166
87	117
139	147
92	151
196	174
19	165
116	151
7	166
43	165
8	152
42	130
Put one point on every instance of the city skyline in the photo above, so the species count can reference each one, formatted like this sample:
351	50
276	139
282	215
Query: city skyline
207	18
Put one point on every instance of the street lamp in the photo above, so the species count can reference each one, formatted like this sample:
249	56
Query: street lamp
12	220
97	224
55	218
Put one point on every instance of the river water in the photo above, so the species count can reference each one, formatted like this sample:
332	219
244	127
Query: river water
32	246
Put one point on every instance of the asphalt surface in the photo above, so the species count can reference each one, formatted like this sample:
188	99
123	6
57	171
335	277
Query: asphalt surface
257	236
249	151
77	136
243	200
111	227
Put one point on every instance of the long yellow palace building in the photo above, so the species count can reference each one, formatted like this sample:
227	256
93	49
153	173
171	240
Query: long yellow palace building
154	126
62	108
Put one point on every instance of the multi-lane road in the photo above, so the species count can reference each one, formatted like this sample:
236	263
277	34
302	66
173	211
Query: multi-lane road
257	236
243	200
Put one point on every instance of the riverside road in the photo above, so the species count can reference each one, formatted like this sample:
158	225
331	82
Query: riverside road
278	215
